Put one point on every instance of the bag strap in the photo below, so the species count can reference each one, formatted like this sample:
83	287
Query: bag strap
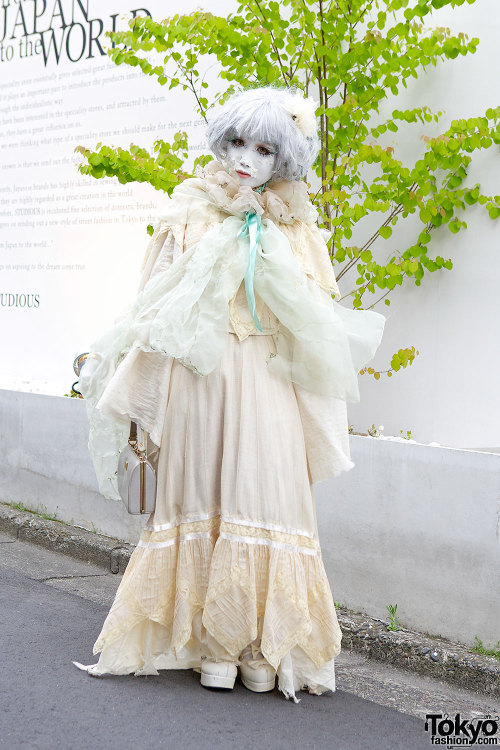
137	435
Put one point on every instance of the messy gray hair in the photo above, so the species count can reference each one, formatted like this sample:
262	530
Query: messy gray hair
257	113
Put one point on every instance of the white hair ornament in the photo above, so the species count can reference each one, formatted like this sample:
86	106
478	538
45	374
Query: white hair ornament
302	110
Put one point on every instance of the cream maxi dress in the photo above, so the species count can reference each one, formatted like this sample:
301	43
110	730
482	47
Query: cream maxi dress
231	556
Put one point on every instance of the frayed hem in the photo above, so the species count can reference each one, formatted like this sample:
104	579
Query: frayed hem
90	669
289	695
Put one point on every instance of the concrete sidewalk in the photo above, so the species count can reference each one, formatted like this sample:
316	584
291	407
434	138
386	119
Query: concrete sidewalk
415	652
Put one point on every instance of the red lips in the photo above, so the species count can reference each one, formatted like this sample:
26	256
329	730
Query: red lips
242	174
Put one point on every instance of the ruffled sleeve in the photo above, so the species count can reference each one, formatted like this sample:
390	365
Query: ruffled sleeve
324	421
317	259
163	249
182	222
311	252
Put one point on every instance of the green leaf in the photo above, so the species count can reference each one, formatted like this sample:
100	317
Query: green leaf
394	270
385	232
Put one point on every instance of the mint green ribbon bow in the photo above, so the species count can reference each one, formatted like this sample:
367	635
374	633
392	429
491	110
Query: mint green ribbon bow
252	229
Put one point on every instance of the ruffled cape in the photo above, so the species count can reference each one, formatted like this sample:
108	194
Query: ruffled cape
282	201
183	312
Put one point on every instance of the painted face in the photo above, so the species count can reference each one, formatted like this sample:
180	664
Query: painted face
252	161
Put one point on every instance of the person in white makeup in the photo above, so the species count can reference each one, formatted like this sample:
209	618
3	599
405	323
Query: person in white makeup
252	160
237	362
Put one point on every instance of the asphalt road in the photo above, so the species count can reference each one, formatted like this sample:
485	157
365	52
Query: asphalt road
51	611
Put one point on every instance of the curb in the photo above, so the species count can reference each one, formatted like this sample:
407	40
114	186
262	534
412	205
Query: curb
104	551
427	655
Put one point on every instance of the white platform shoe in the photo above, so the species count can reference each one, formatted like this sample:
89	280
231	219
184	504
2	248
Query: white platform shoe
259	679
218	674
256	673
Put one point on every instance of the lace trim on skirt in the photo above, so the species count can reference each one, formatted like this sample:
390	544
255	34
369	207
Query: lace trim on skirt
203	591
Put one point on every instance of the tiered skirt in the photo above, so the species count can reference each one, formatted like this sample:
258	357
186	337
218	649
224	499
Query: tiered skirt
231	554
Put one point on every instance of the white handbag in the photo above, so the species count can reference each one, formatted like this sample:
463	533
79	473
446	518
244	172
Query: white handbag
136	475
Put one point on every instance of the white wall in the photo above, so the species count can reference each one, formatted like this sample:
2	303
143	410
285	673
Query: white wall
450	393
417	526
410	524
51	216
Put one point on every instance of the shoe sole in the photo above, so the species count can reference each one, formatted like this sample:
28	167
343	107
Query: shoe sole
211	680
259	687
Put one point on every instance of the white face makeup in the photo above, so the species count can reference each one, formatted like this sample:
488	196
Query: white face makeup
252	161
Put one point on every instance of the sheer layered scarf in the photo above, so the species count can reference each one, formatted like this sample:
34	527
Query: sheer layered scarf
183	312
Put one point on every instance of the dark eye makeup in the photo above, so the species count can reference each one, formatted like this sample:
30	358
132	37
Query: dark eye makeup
263	150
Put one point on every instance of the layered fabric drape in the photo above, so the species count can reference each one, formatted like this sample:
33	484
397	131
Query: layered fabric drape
182	313
241	422
232	554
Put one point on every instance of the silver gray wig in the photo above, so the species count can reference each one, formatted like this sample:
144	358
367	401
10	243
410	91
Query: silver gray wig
257	113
